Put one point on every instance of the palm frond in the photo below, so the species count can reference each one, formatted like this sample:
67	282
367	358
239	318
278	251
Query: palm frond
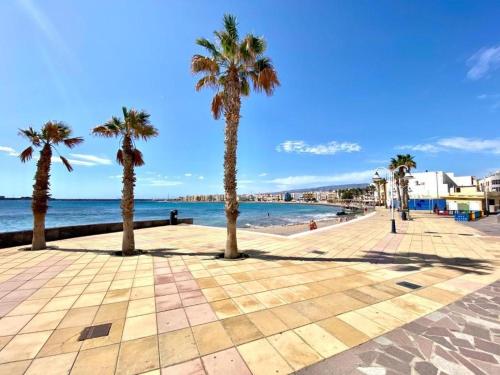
252	46
26	155
207	81
203	64
264	76
245	87
209	46
66	163
72	142
137	158
218	105
231	26
31	135
112	128
119	157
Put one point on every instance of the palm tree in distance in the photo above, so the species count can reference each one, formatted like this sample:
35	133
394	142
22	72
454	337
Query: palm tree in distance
408	161
231	67
51	135
134	125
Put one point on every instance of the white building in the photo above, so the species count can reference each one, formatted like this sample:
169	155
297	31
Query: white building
490	183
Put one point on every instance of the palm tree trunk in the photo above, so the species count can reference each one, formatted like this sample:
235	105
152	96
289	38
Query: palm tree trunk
39	203
232	113
385	194
379	196
398	191
127	204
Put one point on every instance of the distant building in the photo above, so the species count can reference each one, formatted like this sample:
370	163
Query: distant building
490	183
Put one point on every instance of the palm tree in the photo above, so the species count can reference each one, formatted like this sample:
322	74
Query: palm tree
398	175
399	161
408	161
134	125
383	182
231	66
52	134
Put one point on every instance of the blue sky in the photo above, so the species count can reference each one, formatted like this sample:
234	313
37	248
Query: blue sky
360	82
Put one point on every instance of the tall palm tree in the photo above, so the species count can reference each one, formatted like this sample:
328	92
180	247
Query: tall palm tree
51	135
232	65
134	125
383	182
398	175
408	161
399	161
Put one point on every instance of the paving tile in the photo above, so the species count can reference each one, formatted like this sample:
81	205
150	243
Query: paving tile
44	321
267	322
14	368
109	312
91	299
211	337
59	303
168	302
225	308
241	329
117	295
139	326
176	347
291	317
78	317
27	307
262	358
10	325
226	361
165	289
248	304
24	346
294	350
57	364
320	340
346	333
194	367
61	341
96	361
200	314
129	362
141	307
214	294
172	320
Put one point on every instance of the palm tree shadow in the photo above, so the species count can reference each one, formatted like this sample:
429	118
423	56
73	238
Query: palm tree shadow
407	261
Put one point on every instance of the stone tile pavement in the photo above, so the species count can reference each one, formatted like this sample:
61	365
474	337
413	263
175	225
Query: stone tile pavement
461	338
178	310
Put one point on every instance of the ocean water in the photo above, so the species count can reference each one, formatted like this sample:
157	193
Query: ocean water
16	215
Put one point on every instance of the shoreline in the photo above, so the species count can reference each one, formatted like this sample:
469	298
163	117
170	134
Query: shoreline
290	229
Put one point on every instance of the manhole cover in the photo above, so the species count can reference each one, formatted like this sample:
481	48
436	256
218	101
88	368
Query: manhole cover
409	285
93	332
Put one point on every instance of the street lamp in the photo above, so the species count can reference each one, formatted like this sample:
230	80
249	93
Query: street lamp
376	178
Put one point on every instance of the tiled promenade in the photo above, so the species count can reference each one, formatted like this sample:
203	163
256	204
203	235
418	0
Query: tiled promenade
177	310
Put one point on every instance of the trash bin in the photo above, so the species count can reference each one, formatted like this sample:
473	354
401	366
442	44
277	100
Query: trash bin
173	217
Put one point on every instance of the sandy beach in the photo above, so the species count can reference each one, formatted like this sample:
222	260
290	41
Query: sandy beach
287	230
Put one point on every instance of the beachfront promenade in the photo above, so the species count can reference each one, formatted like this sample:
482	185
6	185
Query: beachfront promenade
295	302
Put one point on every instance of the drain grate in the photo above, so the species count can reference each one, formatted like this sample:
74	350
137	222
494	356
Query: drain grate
93	332
319	252
409	285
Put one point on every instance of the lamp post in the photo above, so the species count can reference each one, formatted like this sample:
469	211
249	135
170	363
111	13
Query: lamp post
376	178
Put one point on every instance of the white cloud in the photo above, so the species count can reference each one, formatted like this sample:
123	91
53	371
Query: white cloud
201	178
329	148
158	181
491	146
188	174
264	174
424	147
308	180
9	151
92	159
482	62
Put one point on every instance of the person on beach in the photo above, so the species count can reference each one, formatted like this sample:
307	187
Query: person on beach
313	225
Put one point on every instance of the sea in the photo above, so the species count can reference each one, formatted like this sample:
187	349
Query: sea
16	214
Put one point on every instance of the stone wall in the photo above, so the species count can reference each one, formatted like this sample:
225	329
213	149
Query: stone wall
19	238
